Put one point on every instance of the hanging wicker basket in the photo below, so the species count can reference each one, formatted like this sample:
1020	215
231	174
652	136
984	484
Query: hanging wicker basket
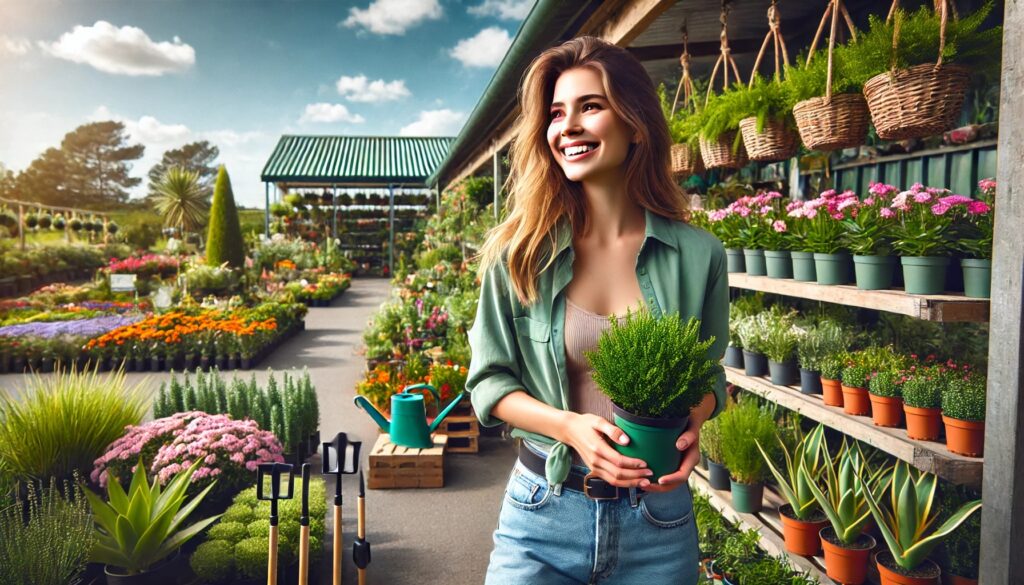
685	161
773	143
718	154
824	124
921	101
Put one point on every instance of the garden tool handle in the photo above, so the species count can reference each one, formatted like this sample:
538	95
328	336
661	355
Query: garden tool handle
337	545
437	395
272	557
304	555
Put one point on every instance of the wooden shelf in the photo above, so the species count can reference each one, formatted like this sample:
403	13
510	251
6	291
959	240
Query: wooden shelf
766	522
946	308
925	455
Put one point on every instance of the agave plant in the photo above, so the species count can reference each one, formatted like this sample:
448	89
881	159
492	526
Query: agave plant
844	500
138	529
910	514
809	454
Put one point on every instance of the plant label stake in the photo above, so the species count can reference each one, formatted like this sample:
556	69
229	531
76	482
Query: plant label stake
361	548
304	529
271	485
340	457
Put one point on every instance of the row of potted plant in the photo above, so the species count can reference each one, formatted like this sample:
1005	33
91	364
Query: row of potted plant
21	272
837	238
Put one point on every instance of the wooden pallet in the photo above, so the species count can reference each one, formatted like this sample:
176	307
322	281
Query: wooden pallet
392	466
465	444
456	425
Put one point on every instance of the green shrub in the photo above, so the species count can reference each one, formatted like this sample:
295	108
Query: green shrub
923	389
63	422
856	376
239	513
224	241
960	551
258	528
654	366
445	253
964	399
832	366
229	531
885	384
742	428
213	561
711	440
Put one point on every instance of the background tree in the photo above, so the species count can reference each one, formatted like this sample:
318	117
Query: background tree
7	182
179	197
224	240
195	156
44	181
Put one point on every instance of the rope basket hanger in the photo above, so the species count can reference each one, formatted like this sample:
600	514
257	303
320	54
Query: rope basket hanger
719	153
684	160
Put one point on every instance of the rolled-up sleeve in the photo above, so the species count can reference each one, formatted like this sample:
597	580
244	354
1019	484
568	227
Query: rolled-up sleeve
715	318
494	371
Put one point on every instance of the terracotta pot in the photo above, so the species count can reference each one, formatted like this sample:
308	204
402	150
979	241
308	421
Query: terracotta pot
801	537
965	437
948	579
891	577
831	392
856	401
923	424
846	565
886	411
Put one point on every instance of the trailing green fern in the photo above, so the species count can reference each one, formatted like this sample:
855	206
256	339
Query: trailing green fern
656	367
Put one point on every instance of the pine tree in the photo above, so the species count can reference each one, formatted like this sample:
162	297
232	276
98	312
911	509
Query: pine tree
224	240
221	391
160	405
313	403
177	395
191	398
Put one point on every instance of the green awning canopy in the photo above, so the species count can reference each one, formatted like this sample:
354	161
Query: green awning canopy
321	161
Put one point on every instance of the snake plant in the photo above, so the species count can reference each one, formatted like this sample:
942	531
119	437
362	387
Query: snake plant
911	513
138	529
844	500
808	454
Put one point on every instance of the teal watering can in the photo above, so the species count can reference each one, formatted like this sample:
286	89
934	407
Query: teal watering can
408	425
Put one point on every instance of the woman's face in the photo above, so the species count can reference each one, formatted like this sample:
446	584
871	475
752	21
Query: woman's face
587	138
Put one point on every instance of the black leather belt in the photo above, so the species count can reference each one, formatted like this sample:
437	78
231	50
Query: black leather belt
593	486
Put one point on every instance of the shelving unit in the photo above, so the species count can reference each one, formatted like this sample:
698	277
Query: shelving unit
925	455
944	308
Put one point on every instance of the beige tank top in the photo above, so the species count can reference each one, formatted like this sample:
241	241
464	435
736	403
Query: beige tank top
582	330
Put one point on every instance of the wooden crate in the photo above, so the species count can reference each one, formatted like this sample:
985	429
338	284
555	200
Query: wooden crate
392	466
463	444
455	425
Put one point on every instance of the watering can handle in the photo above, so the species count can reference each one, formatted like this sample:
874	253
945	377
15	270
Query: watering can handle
432	390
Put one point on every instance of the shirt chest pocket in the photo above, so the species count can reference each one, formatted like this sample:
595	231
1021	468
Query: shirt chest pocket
533	329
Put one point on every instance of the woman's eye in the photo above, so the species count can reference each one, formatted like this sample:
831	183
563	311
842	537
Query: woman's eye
591	106
555	114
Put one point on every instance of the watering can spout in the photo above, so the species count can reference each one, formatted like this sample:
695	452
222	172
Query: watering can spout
446	411
383	423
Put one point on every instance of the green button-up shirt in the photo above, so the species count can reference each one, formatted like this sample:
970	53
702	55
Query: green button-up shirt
680	268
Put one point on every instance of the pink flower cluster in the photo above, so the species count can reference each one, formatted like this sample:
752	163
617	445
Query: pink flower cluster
987	185
169	445
149	264
940	201
837	205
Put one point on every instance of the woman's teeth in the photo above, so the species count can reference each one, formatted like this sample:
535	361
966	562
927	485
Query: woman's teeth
574	150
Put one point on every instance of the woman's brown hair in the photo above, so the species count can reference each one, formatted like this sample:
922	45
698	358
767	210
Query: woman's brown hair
540	195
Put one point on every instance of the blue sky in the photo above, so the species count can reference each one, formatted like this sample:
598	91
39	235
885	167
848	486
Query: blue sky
242	72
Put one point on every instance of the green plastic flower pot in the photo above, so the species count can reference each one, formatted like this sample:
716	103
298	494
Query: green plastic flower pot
652	440
754	259
924	275
874	272
977	278
832	268
718	476
735	261
778	264
803	266
747	497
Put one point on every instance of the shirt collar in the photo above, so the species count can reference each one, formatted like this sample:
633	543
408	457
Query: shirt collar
658	227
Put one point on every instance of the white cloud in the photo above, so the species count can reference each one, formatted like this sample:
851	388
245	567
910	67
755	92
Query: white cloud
443	122
393	17
361	89
486	49
127	50
504	9
325	113
14	46
147	129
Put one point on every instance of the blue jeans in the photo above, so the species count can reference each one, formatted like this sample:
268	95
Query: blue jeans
549	538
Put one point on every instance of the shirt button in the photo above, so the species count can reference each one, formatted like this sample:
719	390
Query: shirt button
642	270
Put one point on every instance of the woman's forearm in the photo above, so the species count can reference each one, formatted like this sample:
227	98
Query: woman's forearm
525	412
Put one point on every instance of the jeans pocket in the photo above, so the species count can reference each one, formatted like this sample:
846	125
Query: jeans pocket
668	509
525	490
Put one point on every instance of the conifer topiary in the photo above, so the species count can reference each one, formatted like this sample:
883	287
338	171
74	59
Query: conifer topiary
224	240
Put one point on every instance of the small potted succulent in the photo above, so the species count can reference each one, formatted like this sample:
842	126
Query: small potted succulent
886	398
751	331
780	343
963	412
831	378
904	522
653	386
747	432
802	518
922	403
711	447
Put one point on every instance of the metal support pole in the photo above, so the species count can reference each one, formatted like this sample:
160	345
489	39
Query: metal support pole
497	182
1002	517
334	210
21	227
437	196
266	210
391	241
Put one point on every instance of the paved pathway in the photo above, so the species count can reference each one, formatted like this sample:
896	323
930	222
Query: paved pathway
434	537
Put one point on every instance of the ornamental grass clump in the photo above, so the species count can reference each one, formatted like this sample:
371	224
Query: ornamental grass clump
62	422
744	428
654	366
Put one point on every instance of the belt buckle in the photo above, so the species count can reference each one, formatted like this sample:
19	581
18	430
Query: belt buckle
586	488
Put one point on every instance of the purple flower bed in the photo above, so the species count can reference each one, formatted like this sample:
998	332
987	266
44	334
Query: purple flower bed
82	327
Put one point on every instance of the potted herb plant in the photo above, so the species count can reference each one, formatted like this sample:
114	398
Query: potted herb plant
904	523
922	237
886	398
711	446
653	386
963	412
734	351
844	501
976	219
802	518
751	332
868	237
922	403
819	342
780	342
855	387
831	379
746	431
138	530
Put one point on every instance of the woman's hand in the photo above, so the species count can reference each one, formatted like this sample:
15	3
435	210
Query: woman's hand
588	435
688	444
